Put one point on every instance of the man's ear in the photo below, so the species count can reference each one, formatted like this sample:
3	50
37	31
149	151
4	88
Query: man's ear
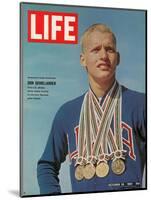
118	58
82	60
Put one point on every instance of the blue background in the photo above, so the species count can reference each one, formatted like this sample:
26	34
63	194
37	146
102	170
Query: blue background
63	62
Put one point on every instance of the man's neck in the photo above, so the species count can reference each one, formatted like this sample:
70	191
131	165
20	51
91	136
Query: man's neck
102	87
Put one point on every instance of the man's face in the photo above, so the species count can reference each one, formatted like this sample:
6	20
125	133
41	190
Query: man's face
100	57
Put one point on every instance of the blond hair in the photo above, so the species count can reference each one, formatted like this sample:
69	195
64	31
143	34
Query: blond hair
95	27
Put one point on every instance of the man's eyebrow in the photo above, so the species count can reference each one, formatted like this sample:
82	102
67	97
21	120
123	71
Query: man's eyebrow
95	47
112	46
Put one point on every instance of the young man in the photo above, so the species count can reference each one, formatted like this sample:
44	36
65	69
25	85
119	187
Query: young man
103	130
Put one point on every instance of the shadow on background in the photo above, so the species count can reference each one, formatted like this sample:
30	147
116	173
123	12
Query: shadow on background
14	192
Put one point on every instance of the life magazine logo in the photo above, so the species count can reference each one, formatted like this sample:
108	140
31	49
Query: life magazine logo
52	27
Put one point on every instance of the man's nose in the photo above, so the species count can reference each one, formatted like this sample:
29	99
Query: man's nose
103	54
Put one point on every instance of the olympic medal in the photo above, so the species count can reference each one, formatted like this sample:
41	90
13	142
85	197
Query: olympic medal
102	169
79	172
118	166
89	171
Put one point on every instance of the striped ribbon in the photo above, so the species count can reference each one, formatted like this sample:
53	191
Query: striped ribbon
81	136
100	134
105	121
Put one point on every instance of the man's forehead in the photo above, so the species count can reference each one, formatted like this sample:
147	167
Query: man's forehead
98	37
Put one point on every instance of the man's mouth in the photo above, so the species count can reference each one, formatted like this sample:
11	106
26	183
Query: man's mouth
103	65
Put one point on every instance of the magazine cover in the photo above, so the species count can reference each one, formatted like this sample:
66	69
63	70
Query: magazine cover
83	99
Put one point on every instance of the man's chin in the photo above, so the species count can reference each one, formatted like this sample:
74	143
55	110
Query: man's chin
104	77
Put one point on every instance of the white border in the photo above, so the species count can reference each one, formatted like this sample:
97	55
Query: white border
9	99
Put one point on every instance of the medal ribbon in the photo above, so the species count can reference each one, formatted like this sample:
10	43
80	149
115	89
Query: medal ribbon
100	145
91	111
88	134
81	136
115	142
119	153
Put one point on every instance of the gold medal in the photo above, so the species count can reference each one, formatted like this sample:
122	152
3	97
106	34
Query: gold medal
118	166
89	171
102	169
79	172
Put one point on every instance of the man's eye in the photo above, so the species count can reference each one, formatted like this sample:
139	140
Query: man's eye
95	50
110	50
